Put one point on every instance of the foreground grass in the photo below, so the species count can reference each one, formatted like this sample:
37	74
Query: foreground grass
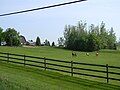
26	78
7	85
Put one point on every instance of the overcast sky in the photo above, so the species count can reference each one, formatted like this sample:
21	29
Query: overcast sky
49	23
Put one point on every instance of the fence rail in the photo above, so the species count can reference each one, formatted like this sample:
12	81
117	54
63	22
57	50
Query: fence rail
25	60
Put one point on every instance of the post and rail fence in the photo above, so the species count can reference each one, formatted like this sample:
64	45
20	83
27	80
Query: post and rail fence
25	60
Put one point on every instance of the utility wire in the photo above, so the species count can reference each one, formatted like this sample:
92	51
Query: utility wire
29	10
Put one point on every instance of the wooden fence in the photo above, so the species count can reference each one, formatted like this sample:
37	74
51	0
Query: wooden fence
71	67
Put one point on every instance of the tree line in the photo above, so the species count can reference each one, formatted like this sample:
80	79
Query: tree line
79	37
12	38
76	37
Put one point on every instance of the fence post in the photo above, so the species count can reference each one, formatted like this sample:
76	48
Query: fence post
71	68
45	63
107	73
7	57
24	60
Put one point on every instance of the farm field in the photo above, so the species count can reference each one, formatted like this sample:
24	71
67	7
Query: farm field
110	57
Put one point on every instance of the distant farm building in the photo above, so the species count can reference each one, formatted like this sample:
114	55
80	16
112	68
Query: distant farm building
30	43
23	40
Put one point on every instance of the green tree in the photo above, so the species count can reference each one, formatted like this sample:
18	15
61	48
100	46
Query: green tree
12	37
119	42
75	36
111	39
38	43
53	44
93	42
1	37
95	38
47	43
61	41
103	36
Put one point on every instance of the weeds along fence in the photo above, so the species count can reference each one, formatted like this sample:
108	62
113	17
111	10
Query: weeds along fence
73	68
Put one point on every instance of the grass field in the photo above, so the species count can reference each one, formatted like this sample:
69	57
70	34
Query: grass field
46	80
110	57
23	78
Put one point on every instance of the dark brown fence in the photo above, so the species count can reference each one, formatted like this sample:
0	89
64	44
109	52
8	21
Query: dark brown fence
70	67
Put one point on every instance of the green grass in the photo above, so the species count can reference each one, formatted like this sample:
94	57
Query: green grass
110	57
5	84
25	78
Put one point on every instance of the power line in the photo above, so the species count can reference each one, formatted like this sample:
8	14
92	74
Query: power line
29	10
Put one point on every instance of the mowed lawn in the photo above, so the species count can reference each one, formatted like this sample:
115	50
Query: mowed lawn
14	77
110	57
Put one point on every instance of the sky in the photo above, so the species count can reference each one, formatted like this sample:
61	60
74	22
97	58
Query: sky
49	23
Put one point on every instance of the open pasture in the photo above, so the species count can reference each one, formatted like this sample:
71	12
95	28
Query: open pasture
109	57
